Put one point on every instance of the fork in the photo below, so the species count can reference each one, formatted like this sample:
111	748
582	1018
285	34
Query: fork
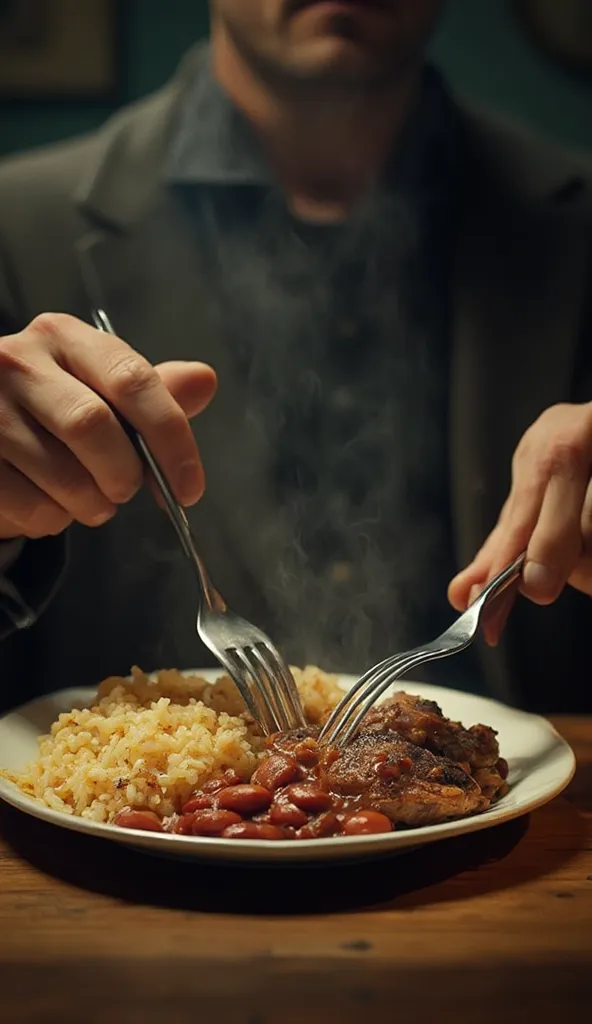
244	651
347	716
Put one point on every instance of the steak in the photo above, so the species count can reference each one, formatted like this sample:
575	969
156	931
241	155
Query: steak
421	722
409	784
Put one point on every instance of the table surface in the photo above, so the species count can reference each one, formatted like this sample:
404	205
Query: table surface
490	927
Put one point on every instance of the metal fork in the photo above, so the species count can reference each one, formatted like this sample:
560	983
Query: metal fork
350	711
244	651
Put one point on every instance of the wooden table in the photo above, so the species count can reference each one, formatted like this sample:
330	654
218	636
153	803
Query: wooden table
493	927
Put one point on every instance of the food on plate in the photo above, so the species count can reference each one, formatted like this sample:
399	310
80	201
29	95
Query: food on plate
421	721
180	755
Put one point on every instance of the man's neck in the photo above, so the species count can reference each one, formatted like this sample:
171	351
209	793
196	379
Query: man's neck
326	149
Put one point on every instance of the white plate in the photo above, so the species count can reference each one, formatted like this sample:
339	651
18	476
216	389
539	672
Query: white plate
541	765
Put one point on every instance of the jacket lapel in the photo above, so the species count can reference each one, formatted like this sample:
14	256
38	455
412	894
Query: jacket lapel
518	303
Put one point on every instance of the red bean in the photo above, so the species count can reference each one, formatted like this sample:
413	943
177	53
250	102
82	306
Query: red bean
213	785
503	768
183	826
212	823
287	814
253	830
366	823
197	803
229	778
324	825
308	752
309	797
145	821
275	771
245	799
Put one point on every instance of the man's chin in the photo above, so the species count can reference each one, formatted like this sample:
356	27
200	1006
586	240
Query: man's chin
340	61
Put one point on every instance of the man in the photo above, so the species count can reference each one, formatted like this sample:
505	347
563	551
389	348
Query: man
392	292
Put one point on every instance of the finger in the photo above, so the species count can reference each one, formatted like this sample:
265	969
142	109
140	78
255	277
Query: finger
512	538
467	586
33	512
581	577
79	419
586	521
461	588
555	546
468	583
192	385
516	530
45	461
8	529
114	370
496	616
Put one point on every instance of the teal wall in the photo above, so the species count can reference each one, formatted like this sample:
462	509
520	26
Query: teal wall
480	46
488	56
154	35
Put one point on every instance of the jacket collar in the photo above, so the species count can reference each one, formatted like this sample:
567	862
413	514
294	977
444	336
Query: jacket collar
131	156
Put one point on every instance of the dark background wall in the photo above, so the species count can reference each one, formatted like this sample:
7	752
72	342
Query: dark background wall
481	46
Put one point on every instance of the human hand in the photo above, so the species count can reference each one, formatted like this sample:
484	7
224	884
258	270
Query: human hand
63	455
548	514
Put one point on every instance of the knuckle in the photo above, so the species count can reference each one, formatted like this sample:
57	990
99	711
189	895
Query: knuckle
51	325
565	457
551	413
522	454
85	419
552	418
130	375
12	356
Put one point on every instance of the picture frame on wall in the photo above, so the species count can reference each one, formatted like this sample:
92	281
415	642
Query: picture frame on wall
59	49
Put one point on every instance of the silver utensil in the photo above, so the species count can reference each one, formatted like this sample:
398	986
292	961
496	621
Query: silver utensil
347	716
244	651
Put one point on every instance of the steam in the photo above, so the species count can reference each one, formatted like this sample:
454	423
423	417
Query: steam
356	540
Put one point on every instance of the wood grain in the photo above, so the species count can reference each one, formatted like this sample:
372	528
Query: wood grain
494	926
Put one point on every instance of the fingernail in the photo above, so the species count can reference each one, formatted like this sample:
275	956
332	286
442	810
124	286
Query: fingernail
190	482
540	580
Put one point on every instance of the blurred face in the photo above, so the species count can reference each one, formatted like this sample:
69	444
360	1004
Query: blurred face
344	42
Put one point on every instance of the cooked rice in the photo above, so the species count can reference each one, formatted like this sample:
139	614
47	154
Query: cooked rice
150	742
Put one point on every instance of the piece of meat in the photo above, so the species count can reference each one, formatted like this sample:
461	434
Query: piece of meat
493	785
299	744
410	785
422	722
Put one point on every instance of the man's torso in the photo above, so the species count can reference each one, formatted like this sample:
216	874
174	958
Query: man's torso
128	596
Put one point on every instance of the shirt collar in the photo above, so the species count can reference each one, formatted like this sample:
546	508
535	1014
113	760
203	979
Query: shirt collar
214	143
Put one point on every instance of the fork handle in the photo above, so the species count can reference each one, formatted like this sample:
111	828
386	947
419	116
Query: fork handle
174	510
501	582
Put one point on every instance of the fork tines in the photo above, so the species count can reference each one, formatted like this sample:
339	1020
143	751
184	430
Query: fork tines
270	683
347	716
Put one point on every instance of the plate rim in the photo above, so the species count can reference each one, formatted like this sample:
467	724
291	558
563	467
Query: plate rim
339	847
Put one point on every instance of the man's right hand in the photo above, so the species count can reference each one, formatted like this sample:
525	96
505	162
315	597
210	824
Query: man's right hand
63	455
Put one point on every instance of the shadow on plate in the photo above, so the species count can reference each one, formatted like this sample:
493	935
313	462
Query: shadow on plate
452	870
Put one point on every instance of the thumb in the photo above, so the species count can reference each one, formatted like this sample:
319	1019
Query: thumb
460	589
192	385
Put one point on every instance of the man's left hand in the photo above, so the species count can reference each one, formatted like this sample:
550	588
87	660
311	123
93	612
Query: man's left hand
548	514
